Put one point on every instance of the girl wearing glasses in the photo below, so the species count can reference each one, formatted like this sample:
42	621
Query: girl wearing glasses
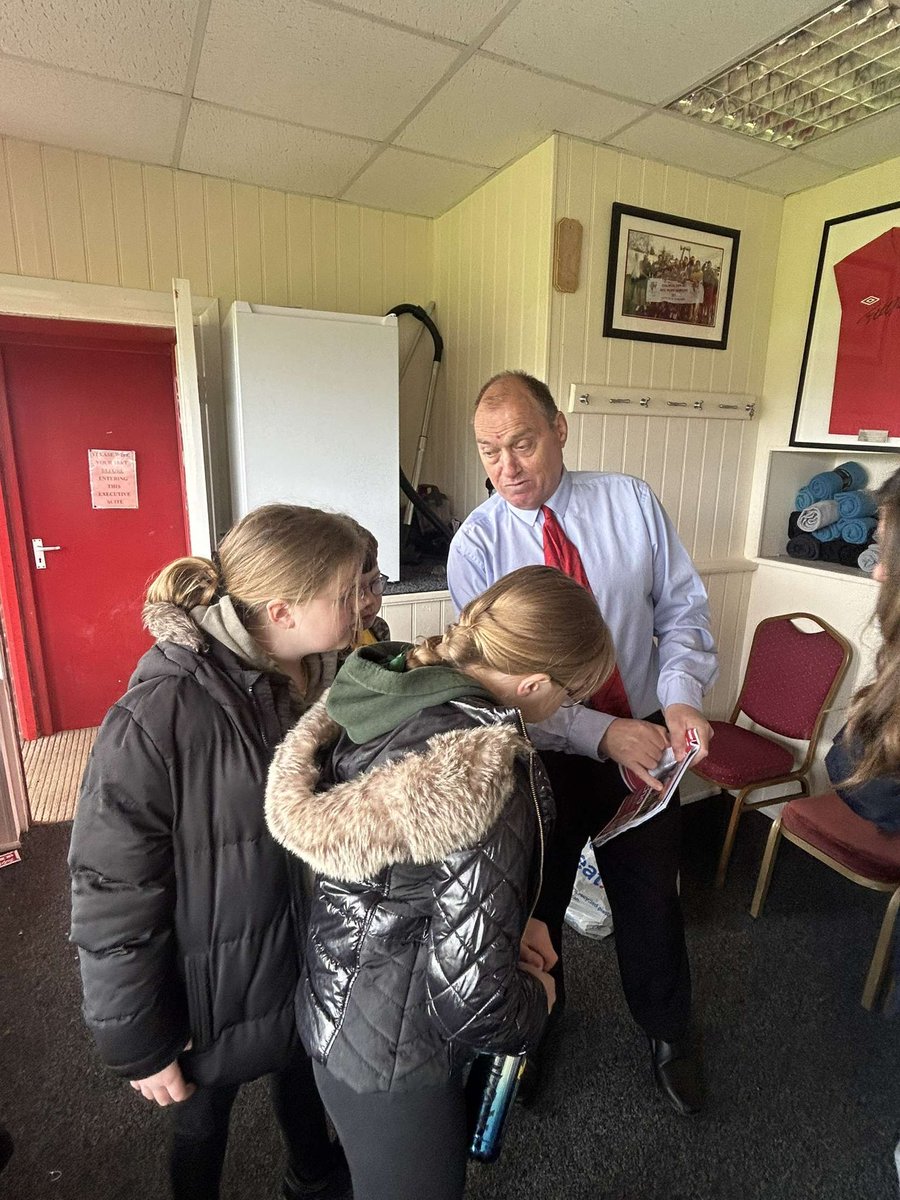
415	796
372	628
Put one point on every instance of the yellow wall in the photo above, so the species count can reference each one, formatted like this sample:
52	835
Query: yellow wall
88	218
492	284
846	602
804	216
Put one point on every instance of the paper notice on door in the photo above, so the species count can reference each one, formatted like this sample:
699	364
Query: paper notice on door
113	478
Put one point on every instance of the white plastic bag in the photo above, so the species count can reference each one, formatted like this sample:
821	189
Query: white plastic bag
588	910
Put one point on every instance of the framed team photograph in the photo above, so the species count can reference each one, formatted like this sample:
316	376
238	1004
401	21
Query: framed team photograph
669	279
848	396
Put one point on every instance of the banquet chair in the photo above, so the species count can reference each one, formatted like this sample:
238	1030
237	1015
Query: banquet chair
790	680
828	829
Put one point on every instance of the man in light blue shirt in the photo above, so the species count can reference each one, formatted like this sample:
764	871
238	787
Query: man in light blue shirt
656	608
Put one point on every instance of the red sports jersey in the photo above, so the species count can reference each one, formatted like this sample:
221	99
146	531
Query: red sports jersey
867	372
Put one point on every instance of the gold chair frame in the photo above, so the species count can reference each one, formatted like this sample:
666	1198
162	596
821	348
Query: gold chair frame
798	775
878	967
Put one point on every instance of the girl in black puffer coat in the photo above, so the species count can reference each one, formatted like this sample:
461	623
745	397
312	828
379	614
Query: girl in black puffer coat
414	794
182	903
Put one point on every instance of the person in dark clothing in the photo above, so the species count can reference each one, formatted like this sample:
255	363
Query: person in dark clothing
414	794
864	762
183	908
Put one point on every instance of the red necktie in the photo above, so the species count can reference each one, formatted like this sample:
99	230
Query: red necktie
559	552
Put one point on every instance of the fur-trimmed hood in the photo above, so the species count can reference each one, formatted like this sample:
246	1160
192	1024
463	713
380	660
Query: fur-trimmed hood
417	808
166	622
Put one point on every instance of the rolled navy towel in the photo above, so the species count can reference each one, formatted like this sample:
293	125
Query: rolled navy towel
847	553
818	515
843	478
830	551
858	529
804	546
855	504
868	560
828	533
793	528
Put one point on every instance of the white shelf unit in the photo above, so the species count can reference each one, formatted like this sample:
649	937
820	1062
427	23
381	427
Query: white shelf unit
789	469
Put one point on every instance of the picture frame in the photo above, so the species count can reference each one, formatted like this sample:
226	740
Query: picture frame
669	279
848	393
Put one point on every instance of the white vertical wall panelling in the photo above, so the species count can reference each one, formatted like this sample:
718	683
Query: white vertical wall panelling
131	225
29	209
492	272
85	217
64	213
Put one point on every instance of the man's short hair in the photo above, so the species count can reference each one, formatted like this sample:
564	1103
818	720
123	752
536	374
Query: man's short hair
536	388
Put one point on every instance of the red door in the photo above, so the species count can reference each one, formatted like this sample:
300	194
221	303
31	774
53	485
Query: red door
72	388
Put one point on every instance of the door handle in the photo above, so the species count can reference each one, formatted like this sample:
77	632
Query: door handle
40	550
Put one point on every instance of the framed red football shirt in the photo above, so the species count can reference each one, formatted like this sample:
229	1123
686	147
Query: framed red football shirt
867	372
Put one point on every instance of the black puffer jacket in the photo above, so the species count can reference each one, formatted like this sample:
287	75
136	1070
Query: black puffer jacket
181	900
427	841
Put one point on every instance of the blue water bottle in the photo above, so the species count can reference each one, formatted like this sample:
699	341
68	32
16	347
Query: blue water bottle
490	1091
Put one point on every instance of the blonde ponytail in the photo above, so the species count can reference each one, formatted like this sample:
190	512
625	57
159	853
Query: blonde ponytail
277	552
533	620
186	582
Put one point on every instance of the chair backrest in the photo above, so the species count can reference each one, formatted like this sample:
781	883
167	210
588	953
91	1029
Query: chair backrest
792	675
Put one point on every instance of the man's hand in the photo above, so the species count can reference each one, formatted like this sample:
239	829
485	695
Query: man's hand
679	719
167	1086
536	949
637	745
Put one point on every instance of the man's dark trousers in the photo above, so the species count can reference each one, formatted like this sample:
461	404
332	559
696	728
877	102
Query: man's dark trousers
639	869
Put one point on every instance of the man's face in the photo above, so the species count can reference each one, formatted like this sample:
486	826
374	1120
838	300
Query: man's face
521	452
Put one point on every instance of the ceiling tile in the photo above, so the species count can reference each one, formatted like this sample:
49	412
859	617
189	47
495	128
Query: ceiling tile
147	44
650	51
258	150
870	141
47	104
414	183
792	174
461	20
316	66
673	139
490	112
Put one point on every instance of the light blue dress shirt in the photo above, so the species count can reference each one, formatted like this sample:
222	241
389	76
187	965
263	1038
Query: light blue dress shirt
641	575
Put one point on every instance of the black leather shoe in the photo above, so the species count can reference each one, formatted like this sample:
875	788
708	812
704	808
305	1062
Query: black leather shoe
335	1184
678	1075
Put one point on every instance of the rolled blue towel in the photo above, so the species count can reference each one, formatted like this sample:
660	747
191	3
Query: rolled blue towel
817	516
858	529
828	533
856	504
844	478
868	560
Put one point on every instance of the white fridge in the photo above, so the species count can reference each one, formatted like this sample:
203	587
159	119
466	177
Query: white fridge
313	415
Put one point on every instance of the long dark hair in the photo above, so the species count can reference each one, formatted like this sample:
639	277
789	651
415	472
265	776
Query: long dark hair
873	727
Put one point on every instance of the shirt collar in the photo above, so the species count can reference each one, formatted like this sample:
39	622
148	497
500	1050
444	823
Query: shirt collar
559	502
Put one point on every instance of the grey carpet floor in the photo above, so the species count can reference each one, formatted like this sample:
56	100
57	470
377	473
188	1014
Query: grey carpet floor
804	1084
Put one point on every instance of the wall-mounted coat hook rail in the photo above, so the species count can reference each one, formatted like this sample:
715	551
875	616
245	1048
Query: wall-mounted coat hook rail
601	398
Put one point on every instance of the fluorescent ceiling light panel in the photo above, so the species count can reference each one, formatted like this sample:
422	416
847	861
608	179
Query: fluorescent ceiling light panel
834	70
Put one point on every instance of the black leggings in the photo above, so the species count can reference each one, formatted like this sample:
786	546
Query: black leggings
200	1131
400	1145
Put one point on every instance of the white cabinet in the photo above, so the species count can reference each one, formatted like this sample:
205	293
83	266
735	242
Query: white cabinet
313	415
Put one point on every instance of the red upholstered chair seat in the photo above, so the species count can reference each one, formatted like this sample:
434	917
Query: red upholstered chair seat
739	756
830	825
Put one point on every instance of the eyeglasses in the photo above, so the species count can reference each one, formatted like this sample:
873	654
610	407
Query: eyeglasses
375	586
571	699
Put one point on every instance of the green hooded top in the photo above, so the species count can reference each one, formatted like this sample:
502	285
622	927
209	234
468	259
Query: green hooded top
374	692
